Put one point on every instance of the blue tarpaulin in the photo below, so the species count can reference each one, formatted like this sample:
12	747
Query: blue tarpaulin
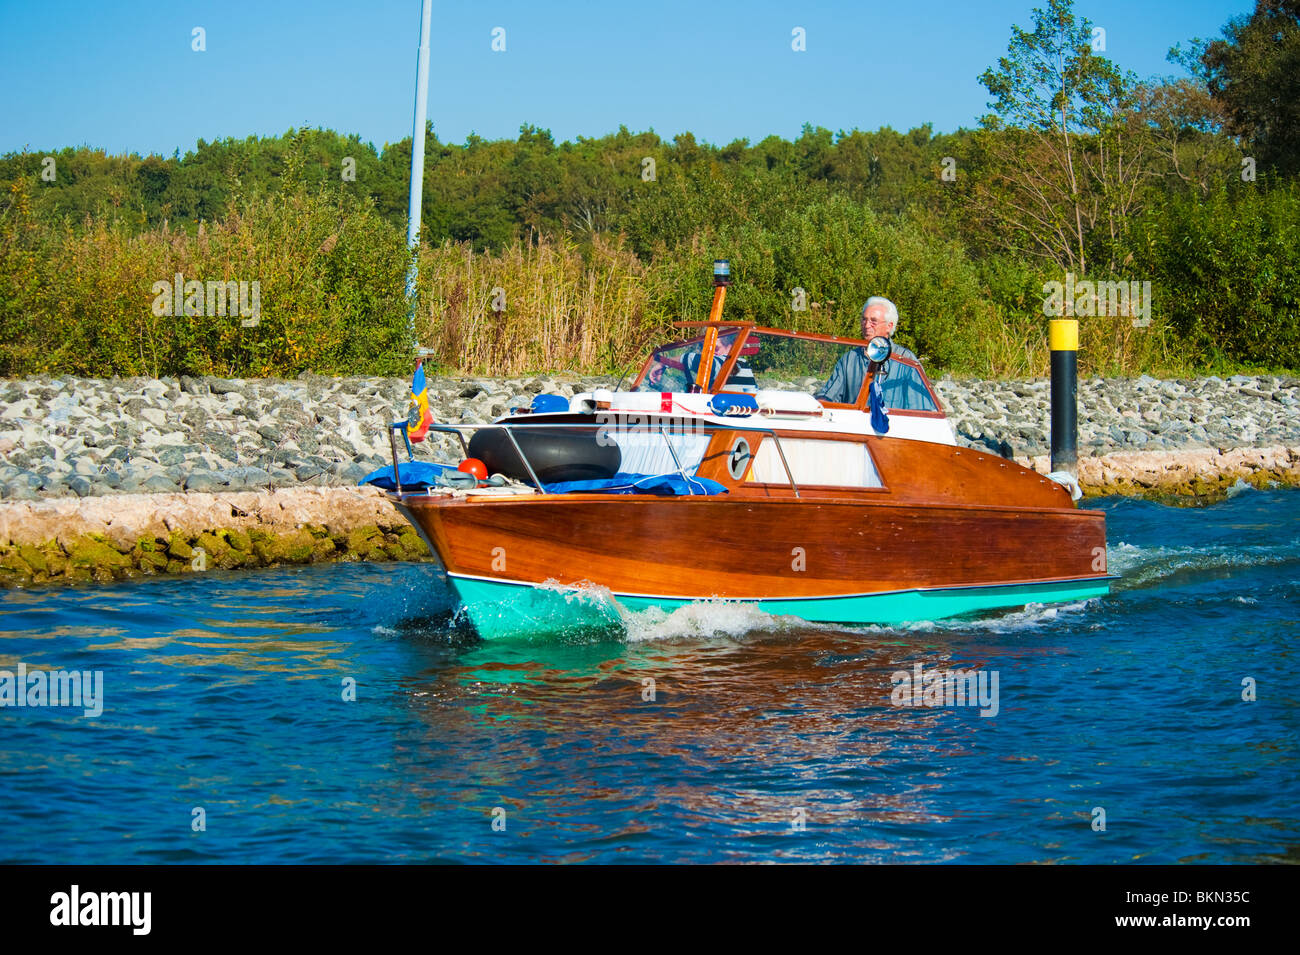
415	475
418	475
623	483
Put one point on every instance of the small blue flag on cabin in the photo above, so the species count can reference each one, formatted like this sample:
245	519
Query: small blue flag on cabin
879	417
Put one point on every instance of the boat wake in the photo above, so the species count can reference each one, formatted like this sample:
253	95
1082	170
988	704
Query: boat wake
726	619
1146	566
590	612
1030	617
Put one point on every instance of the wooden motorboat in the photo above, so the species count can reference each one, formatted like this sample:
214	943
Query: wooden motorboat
720	474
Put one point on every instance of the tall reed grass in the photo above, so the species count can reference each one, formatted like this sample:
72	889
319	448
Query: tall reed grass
540	305
76	297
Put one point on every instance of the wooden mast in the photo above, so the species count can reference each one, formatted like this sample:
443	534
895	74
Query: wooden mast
721	279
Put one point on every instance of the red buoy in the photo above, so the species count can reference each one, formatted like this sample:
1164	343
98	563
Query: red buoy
475	467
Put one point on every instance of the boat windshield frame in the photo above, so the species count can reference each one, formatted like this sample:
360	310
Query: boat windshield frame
743	331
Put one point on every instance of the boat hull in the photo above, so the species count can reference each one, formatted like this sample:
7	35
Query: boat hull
501	609
533	565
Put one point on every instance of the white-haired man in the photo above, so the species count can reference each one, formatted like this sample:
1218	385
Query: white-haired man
879	317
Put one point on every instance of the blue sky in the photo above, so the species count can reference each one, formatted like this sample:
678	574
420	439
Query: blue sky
122	76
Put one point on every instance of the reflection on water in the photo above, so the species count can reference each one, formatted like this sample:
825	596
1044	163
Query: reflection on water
725	718
345	713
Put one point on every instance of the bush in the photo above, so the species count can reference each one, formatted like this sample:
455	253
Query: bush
329	270
1225	273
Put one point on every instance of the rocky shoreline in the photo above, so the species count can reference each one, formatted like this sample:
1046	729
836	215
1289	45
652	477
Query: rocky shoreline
108	479
89	437
1197	476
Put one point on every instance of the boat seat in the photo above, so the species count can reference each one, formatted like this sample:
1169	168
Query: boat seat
742	379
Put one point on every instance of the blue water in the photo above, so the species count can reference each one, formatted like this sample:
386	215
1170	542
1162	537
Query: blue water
224	692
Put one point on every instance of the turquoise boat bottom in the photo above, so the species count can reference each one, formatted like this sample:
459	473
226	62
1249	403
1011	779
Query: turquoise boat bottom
502	609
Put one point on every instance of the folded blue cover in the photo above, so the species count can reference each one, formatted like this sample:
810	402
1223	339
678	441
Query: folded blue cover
624	483
415	475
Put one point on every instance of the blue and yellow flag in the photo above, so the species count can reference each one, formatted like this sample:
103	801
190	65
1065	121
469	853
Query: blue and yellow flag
420	399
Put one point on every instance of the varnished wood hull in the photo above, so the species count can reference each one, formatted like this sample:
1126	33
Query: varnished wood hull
854	558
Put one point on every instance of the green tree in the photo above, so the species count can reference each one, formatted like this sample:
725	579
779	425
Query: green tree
1063	155
1189	146
1254	72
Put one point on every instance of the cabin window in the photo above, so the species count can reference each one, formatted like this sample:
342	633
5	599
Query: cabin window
645	450
815	461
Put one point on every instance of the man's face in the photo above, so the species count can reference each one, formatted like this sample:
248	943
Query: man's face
875	322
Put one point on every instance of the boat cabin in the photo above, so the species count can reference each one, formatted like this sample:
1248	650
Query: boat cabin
757	410
738	410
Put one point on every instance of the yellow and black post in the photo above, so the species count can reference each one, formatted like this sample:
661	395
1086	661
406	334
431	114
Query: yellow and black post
1063	340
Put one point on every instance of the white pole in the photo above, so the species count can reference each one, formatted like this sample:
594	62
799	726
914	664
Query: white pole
417	158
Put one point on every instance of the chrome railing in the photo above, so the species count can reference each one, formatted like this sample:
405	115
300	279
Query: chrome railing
459	429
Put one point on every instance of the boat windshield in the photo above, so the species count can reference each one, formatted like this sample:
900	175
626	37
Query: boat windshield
675	367
785	363
904	388
830	370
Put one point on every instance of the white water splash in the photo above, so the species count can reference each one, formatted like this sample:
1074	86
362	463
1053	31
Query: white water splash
705	618
1033	615
698	619
1240	487
722	619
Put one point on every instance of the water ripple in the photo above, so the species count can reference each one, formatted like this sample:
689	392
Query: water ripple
344	714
